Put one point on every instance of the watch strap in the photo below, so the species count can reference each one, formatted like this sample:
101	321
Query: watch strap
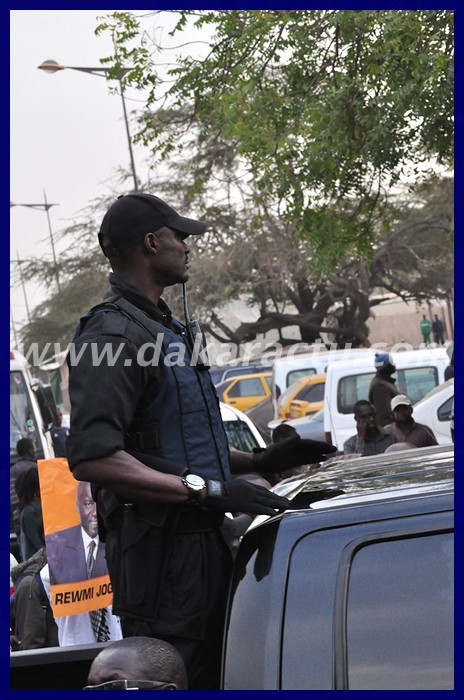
193	494
214	489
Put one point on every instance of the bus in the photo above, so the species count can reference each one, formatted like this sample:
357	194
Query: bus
32	409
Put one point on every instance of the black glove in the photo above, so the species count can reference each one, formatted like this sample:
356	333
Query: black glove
290	452
239	495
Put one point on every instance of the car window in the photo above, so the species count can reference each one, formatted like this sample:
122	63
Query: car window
297	373
445	411
247	387
352	389
313	393
415	382
400	615
240	436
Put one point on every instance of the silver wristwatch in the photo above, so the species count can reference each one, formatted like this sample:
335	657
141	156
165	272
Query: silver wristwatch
195	485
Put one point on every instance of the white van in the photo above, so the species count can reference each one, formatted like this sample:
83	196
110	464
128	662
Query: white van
417	373
287	370
435	410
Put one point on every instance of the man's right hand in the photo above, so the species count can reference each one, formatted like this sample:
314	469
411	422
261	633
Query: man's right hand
239	495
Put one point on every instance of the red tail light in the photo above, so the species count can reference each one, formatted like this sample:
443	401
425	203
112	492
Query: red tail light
328	437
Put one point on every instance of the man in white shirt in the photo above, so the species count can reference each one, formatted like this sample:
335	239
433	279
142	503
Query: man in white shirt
77	629
76	554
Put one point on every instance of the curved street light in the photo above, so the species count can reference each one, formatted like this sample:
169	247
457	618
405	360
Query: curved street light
50	66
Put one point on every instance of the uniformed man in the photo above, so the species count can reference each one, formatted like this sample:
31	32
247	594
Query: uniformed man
146	430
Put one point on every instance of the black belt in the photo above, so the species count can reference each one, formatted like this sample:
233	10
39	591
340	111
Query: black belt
194	519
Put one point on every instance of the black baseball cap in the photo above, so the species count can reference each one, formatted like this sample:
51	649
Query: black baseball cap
134	215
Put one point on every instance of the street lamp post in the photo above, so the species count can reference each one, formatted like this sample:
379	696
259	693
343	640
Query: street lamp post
46	206
50	66
13	327
21	277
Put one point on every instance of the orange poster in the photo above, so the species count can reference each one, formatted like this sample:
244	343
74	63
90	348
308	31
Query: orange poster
79	580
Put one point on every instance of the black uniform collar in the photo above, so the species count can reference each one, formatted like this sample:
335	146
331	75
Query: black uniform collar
120	288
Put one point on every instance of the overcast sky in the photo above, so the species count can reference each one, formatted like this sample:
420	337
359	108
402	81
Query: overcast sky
67	131
68	135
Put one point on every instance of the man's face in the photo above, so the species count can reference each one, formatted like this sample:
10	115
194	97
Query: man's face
87	510
172	257
402	413
390	369
366	420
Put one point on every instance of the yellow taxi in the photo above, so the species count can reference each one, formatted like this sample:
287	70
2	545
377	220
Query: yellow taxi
246	390
302	397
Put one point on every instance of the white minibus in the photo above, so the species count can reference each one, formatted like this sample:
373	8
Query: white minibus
418	372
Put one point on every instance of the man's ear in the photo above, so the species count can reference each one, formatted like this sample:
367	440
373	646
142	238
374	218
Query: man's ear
171	686
151	242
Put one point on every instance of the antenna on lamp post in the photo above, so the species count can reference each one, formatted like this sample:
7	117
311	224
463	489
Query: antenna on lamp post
46	206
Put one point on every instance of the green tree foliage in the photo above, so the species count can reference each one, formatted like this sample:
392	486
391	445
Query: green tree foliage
289	137
412	259
83	274
55	320
324	111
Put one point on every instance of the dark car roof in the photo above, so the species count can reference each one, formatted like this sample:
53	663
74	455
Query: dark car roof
226	372
343	482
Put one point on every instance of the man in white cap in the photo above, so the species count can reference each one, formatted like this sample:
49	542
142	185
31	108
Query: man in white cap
405	427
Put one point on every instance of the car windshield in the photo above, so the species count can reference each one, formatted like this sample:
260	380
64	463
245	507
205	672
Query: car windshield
289	392
222	386
239	436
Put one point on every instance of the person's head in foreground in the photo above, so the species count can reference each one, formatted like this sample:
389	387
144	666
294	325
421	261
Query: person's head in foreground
138	663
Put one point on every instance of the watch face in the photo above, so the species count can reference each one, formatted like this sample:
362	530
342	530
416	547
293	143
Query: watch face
195	482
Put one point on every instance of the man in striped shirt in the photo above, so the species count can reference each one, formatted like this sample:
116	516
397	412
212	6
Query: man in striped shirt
370	438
